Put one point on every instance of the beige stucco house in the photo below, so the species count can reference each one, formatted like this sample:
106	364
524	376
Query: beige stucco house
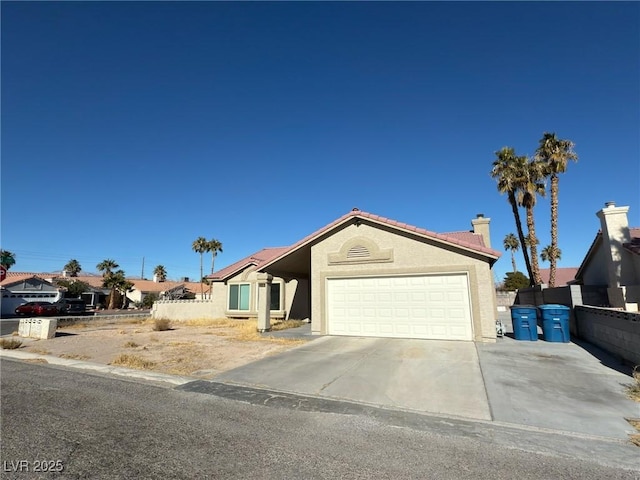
613	259
367	275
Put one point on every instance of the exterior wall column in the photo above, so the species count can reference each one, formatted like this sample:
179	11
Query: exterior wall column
264	301
480	225
615	233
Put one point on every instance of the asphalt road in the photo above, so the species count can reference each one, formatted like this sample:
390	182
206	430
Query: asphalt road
8	326
95	426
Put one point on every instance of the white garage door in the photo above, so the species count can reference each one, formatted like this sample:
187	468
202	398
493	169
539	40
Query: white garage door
420	306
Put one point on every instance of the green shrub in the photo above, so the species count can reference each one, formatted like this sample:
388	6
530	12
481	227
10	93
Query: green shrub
149	300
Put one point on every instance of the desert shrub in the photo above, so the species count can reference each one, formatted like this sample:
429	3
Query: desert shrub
10	343
133	361
633	389
161	324
148	301
131	344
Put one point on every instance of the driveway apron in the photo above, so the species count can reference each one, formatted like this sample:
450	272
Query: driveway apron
441	377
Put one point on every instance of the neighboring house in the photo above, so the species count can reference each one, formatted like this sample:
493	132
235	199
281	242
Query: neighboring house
367	275
21	287
95	295
564	275
165	290
613	259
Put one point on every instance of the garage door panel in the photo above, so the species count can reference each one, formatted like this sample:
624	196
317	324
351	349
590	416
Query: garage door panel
418	306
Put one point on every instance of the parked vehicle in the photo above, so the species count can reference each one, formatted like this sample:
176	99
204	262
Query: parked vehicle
70	306
37	308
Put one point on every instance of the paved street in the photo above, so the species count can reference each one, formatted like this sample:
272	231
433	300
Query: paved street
105	427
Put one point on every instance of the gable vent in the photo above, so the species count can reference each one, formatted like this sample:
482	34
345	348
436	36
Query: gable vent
358	251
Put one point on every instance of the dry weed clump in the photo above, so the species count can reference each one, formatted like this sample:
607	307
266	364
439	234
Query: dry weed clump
40	351
633	390
74	356
10	343
133	361
245	330
131	344
286	324
161	325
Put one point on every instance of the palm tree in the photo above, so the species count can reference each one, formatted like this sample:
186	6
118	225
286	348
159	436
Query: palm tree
122	285
507	170
214	247
529	186
547	255
160	273
511	243
200	245
106	267
7	259
555	155
72	268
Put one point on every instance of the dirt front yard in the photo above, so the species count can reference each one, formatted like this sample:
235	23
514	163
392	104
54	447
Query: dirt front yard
199	349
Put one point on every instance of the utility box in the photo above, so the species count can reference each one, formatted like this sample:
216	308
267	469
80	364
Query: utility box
525	322
555	323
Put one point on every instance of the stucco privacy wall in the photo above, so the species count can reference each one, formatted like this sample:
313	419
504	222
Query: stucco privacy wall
401	254
186	310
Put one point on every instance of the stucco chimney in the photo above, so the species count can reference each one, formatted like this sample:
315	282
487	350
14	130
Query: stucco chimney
615	232
155	278
480	225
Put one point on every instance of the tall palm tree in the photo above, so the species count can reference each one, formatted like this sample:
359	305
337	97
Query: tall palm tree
72	268
507	169
214	247
511	243
555	155
160	273
106	267
200	245
546	256
529	186
7	259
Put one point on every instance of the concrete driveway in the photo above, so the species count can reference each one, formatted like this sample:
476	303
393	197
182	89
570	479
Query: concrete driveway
572	387
567	387
427	376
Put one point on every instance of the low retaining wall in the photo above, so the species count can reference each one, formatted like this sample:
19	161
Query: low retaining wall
615	331
185	309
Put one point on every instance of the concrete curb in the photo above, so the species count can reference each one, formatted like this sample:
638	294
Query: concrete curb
99	368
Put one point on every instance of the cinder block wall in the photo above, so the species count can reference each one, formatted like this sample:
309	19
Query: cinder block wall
612	330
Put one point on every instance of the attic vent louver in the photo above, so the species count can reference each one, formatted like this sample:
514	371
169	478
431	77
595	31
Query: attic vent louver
358	251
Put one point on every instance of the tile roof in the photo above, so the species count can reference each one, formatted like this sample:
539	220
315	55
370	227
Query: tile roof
266	256
95	281
256	259
634	245
467	236
151	286
15	277
563	275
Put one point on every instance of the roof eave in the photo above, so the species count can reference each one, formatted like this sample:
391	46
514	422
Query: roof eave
492	255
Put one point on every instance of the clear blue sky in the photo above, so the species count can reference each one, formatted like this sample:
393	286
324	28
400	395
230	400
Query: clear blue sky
130	129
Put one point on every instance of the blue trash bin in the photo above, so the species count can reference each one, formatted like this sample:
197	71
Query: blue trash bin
525	322
555	323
